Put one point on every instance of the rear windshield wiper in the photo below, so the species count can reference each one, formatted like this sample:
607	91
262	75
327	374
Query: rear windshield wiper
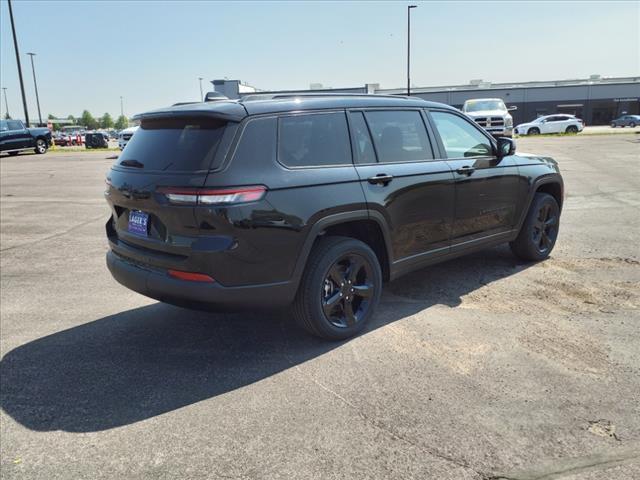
132	163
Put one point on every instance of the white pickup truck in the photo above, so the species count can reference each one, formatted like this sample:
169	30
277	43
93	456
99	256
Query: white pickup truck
491	114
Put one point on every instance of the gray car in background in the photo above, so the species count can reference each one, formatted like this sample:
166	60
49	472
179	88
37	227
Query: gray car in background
626	121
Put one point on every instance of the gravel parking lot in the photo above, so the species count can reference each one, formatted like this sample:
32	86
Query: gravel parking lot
483	367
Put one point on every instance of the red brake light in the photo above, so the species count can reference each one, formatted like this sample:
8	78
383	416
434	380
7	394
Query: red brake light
193	277
218	196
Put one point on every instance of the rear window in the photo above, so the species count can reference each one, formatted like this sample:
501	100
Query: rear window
312	140
174	144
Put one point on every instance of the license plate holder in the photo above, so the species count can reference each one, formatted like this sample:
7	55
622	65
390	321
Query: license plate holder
138	223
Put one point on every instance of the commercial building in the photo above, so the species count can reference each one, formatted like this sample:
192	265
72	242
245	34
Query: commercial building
597	100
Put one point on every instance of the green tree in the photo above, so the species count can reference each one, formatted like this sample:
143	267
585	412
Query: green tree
72	118
88	121
106	121
122	122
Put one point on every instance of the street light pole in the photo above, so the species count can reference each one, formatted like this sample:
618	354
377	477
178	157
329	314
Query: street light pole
33	69
6	104
121	107
201	95
409	7
15	44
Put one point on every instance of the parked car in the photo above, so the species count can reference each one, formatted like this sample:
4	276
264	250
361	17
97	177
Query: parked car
125	135
491	114
315	201
558	123
626	121
16	138
96	140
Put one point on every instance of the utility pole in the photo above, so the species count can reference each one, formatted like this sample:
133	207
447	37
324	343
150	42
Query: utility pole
33	69
409	7
201	95
15	44
6	104
121	107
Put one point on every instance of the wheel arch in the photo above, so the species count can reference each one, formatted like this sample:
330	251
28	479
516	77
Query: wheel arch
550	184
367	226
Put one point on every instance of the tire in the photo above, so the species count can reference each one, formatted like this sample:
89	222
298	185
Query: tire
328	288
632	124
539	232
41	146
571	129
613	125
13	154
533	131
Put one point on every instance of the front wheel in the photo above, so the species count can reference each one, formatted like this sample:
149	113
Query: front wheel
613	125
632	124
340	288
571	129
41	146
539	232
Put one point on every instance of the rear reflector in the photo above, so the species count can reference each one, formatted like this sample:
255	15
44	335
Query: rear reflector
205	196
192	277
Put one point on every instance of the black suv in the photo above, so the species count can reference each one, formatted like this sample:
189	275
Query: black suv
315	201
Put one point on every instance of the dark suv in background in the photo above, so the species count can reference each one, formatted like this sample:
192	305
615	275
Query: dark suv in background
315	201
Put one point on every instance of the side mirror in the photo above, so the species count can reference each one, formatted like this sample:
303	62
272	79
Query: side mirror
512	108
506	147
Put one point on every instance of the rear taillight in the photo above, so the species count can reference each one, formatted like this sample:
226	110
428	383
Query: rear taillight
218	196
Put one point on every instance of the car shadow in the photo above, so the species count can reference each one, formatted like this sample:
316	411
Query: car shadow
144	362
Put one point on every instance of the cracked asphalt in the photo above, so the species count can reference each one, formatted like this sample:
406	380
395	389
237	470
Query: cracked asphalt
480	368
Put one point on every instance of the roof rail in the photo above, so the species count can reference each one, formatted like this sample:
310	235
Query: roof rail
274	96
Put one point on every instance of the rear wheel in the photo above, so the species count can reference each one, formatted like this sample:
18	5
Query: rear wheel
571	129
340	288
539	232
534	131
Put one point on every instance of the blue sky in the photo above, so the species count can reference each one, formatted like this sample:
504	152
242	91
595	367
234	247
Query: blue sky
89	53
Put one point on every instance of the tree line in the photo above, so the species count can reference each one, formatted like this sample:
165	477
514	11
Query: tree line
92	123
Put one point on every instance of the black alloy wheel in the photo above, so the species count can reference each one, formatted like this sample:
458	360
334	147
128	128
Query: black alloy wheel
545	229
340	288
539	232
347	290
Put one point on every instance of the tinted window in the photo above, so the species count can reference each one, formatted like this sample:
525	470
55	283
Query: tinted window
14	125
362	139
460	138
314	140
258	142
4	126
399	136
174	144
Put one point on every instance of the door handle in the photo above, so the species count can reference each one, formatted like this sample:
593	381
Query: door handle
381	178
466	170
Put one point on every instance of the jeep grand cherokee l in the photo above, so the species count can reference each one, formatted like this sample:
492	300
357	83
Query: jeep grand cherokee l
315	201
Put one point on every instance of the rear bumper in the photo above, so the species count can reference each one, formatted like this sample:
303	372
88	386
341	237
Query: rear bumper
157	284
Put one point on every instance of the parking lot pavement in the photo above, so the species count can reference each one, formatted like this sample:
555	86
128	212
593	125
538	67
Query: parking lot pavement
482	367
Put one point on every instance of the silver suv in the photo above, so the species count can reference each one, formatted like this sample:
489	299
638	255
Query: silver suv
491	114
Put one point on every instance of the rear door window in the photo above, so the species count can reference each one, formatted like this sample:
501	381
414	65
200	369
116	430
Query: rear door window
174	144
312	140
399	136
